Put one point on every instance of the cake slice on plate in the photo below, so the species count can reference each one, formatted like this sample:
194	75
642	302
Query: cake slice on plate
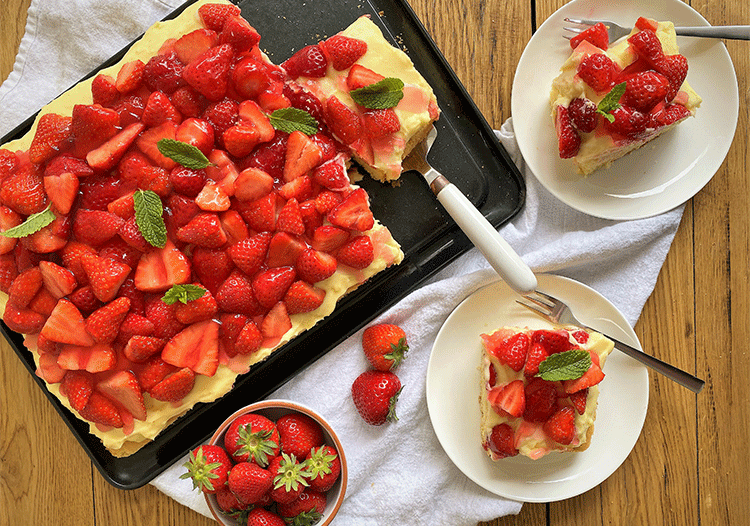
539	390
609	101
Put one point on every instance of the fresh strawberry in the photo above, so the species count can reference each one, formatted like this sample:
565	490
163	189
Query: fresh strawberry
104	275
596	35
123	388
289	478
299	433
43	303
159	109
353	213
154	371
252	184
101	410
94	227
511	351
324	468
8	271
666	114
140	348
578	399
163	73
252	438
196	347
203	230
130	76
62	190
174	387
196	132
674	68
23	320
308	62
310	217
104	89
360	76
332	174
260	215
357	253
302	155
241	139
66	325
209	73
568	140
537	354
200	309
270	156
502	441
106	156
208	467
328	238
161	268
249	482
104	323
98	192
58	280
343	121
647	46
308	508
24	287
301	189
384	345
236	295
284	250
250	112
597	70
250	253
541	399
77	387
554	341
644	90
343	51
290	218
375	394
135	324
148	141
380	123
508	398
91	126
593	376
189	103
129	109
239	34
583	115
264	517
52	135
213	16
628	122
314	265
275	324
303	297
560	427
23	192
269	286
221	115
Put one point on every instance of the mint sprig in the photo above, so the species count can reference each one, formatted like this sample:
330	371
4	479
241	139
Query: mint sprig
611	101
183	294
34	223
380	96
148	217
183	153
568	365
294	119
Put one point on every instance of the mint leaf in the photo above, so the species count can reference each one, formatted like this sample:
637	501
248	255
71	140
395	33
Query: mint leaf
183	153
568	365
34	223
294	119
381	95
611	101
183	294
148	217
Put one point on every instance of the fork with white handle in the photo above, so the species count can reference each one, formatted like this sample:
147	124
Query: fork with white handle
616	31
556	311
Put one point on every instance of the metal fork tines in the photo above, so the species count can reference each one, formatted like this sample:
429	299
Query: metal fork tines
558	312
617	31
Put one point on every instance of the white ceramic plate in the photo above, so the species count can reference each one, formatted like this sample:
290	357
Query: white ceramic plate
453	394
667	171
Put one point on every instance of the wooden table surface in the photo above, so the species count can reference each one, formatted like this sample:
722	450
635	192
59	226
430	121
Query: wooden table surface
691	463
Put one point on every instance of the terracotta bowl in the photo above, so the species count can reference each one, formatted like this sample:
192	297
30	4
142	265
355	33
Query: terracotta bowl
275	409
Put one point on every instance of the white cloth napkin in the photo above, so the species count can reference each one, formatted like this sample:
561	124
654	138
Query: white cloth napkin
398	473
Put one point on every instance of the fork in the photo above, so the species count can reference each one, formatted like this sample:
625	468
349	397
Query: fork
556	311
616	31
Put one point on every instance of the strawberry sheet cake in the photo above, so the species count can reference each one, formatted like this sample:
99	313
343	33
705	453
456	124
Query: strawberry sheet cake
178	217
608	101
539	390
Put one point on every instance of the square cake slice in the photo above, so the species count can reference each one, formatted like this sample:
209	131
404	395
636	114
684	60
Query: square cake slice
531	403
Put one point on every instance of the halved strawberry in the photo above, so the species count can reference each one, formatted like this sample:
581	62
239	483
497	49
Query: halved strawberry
260	215
290	218
308	61
537	354
209	73
196	132
239	34
509	398
23	191
94	227
314	265
302	155
123	388
360	76
187	181
158	110
380	123
213	198
241	139
104	323
327	238
345	123
66	325
105	275
332	174
353	213
43	303
130	76
593	376
163	72
135	324
161	268
23	320
101	410
250	77
250	111
269	286
148	140
275	324
175	386
541	400
300	189
141	348
236	295
248	339
190	46
511	351
104	89
343	51
284	250
251	184
129	109
560	427
200	309
303	297
58	280
203	230
568	139
91	126
52	135
62	190
163	317
106	156
195	347
77	386
213	16
211	267
8	219
596	35
357	253
249	254
502	441
578	399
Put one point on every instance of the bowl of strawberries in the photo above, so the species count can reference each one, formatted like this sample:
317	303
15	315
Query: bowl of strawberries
272	462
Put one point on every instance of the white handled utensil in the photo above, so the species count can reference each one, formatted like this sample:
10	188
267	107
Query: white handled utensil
485	237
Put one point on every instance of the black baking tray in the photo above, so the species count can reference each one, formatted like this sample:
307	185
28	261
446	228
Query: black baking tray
466	151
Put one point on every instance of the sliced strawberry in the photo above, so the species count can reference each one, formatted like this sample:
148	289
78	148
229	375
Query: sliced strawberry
222	171
148	143
560	427
328	238
578	399
66	325
104	323
62	190
104	89
94	227
308	62
252	184
8	219
52	135
163	72
43	303
154	371
141	348
239	34
213	198
236	295
357	253
310	217
509	398
537	354
106	156
343	51
58	280
627	122
314	265
360	76
303	297
23	191
123	388
91	126
541	400
98	192
502	441
67	164
104	275
250	111
590	378
345	123
23	320
200	309
554	341
666	114
222	115
250	77
77	387
135	324
300	189
130	76
275	324
209	73
353	213
195	347
191	45
596	35
175	386
158	110
101	410
674	68
302	155
213	16
161	268
196	132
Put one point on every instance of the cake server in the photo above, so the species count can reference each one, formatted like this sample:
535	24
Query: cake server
485	237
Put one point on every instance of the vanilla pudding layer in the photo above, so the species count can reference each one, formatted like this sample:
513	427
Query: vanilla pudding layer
598	148
531	441
125	441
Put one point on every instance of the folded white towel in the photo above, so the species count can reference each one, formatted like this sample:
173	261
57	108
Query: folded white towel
398	472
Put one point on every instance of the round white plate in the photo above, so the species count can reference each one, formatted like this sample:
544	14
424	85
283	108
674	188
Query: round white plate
453	394
665	172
